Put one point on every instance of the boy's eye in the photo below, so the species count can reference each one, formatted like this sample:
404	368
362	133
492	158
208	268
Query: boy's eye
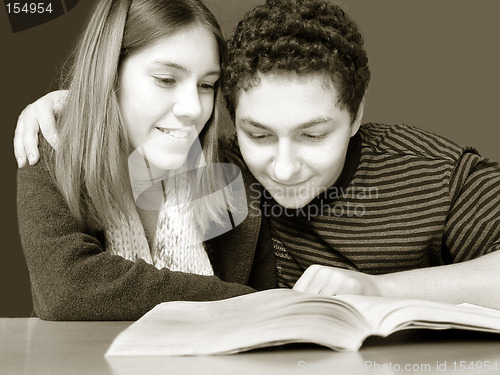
259	136
315	137
207	86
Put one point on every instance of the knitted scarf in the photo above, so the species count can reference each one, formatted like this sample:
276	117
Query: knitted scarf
178	243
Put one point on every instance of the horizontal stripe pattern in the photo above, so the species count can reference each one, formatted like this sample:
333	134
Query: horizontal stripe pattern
416	200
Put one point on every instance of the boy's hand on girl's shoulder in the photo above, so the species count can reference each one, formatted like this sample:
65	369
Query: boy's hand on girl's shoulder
40	115
331	281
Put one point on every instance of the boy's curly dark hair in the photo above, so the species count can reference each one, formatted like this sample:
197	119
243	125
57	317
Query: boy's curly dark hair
303	36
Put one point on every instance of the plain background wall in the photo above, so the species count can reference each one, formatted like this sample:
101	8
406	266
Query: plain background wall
434	65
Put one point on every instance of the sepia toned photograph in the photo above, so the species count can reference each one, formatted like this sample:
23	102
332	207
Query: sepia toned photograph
262	186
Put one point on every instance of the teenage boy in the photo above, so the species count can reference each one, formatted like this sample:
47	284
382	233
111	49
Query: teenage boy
338	207
365	209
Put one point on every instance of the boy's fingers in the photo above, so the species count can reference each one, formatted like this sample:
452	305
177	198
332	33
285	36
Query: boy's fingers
304	281
30	140
19	151
21	137
46	124
30	130
36	117
318	280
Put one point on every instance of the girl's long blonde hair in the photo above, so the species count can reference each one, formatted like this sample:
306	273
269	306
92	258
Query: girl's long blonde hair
90	164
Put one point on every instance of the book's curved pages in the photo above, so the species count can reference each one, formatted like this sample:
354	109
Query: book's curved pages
282	316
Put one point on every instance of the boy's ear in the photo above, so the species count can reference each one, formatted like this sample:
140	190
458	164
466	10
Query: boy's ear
356	123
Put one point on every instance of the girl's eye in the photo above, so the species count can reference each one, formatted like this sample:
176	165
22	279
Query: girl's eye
165	81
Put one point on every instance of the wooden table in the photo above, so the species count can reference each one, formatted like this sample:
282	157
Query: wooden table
33	346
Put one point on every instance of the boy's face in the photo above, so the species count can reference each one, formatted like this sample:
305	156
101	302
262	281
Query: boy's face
293	135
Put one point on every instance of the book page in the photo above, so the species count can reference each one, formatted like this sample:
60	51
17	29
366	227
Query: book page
388	315
273	317
281	316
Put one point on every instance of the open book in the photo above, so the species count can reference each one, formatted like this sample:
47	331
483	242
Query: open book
282	316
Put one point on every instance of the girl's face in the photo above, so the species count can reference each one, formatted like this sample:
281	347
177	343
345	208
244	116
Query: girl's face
166	94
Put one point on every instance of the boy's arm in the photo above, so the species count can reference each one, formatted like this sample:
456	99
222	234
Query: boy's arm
37	116
471	235
475	281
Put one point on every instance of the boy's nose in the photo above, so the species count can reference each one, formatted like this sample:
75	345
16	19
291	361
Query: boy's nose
286	164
